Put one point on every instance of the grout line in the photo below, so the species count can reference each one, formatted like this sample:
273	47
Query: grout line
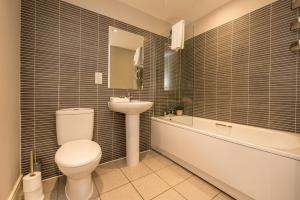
95	186
184	179
34	78
249	56
79	64
97	85
296	100
119	186
270	67
217	195
162	193
204	101
59	57
136	189
231	46
217	70
130	182
180	194
194	75
113	113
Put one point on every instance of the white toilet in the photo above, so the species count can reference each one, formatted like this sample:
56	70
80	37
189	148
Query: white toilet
78	155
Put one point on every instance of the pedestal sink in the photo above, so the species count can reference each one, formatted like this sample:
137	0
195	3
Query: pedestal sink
132	110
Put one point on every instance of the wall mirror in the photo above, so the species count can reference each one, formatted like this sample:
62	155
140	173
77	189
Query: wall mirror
126	59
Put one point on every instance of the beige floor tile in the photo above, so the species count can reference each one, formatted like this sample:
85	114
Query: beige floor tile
61	195
223	196
137	171
150	186
164	160
157	162
126	192
106	168
148	154
96	194
169	195
50	184
50	188
153	153
195	188
173	174
96	198
109	181
121	163
50	196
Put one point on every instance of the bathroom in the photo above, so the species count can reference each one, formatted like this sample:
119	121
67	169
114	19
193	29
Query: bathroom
207	106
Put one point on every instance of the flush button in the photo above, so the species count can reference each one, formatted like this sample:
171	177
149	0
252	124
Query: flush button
98	78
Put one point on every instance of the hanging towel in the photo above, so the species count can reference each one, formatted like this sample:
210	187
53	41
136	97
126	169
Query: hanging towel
138	56
178	35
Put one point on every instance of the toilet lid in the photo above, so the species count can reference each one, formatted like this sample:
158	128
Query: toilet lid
77	153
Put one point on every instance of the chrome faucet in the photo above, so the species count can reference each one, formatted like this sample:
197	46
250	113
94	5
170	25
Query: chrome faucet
129	96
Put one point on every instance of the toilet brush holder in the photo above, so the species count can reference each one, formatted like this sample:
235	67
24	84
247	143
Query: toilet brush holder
32	186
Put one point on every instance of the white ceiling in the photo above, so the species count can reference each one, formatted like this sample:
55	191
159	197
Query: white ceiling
174	10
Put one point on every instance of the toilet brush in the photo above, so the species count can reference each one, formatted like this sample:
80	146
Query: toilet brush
32	183
31	164
36	164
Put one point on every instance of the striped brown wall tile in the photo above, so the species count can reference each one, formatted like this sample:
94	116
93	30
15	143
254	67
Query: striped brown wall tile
240	70
187	77
224	72
160	98
297	115
283	68
46	82
62	47
247	74
198	101
27	79
105	130
69	55
210	71
89	56
259	66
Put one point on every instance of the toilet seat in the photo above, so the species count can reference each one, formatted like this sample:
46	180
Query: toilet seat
77	153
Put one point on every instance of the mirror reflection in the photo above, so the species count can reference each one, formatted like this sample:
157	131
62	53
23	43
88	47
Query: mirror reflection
126	59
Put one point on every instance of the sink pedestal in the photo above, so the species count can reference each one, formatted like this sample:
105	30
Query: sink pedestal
132	110
132	139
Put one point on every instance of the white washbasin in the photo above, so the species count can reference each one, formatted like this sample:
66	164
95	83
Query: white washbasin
130	108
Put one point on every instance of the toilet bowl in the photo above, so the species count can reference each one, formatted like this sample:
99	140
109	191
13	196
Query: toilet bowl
77	160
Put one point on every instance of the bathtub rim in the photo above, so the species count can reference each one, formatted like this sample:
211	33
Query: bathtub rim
271	150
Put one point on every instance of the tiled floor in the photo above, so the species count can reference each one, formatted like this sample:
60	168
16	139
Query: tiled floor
156	177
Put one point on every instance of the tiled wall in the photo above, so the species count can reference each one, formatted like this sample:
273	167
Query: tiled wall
241	72
244	72
62	46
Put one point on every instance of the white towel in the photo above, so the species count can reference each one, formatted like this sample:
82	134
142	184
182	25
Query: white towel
119	99
137	59
178	35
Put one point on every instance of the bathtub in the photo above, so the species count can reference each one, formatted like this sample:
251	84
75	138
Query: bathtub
244	161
